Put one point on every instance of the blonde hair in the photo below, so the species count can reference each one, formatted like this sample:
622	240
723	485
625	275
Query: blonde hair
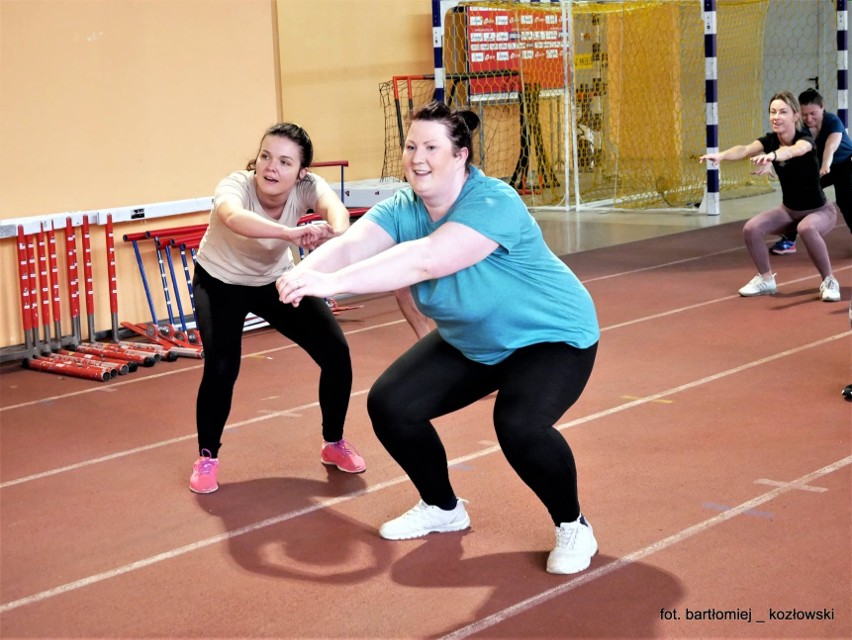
790	100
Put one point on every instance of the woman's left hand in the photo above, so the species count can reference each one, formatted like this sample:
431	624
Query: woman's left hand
300	282
763	159
310	236
328	234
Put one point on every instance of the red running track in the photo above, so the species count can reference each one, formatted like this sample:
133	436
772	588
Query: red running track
713	448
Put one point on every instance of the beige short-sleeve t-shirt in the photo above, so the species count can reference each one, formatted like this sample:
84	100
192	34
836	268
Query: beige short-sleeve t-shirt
236	259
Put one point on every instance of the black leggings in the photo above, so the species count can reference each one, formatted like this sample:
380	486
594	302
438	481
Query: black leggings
535	386
221	310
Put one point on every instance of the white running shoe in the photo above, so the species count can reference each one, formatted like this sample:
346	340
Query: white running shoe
424	519
759	286
829	290
575	546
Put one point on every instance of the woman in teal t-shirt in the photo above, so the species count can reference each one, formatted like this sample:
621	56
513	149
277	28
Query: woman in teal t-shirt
510	317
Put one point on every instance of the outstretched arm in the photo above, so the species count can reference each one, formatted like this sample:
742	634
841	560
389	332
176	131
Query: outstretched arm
335	216
246	223
362	240
831	144
763	161
784	153
451	248
333	211
734	153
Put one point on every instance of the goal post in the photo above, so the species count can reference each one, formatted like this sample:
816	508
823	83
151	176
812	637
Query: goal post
610	103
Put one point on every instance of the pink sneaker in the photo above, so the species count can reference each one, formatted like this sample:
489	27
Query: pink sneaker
204	474
343	456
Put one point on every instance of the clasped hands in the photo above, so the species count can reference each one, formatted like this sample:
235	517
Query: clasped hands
299	282
310	236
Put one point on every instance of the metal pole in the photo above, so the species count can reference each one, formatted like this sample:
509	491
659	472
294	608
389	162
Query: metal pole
711	204
842	64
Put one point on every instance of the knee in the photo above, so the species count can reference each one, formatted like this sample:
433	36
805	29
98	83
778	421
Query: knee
335	355
752	230
522	444
380	408
221	373
808	230
390	411
513	431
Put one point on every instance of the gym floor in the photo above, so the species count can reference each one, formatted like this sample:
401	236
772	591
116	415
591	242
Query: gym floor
712	443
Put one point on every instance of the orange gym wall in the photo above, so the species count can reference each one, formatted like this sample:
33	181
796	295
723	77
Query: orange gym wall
113	103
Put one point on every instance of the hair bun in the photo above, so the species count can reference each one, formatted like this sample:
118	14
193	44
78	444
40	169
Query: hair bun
470	119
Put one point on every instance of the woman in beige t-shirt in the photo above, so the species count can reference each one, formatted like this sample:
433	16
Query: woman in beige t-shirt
248	245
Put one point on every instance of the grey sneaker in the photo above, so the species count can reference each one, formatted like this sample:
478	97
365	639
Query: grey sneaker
575	546
759	286
829	290
424	519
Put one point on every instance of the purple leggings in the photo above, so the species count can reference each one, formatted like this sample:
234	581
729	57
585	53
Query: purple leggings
812	226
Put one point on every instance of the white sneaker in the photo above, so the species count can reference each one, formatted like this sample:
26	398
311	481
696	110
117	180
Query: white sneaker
829	290
759	286
424	519
575	546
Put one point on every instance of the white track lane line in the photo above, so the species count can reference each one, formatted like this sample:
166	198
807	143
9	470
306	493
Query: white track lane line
194	546
174	372
698	305
589	418
660	545
139	564
114	385
163	443
662	265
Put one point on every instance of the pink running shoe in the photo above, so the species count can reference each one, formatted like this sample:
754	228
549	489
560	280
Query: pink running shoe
204	474
343	456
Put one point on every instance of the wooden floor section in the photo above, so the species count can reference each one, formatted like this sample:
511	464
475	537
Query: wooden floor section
712	443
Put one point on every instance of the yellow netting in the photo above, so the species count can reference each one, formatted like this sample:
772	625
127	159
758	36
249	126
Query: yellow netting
626	87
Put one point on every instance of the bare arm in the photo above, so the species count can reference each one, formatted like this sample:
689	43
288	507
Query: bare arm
333	211
451	248
758	157
831	145
362	240
800	148
734	153
418	322
763	161
246	223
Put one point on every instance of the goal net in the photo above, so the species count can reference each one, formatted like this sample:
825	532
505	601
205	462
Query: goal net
604	102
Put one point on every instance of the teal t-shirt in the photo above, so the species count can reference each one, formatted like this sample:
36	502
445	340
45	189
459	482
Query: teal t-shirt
521	294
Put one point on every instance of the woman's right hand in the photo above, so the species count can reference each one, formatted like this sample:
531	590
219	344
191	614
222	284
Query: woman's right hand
765	169
310	236
297	283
